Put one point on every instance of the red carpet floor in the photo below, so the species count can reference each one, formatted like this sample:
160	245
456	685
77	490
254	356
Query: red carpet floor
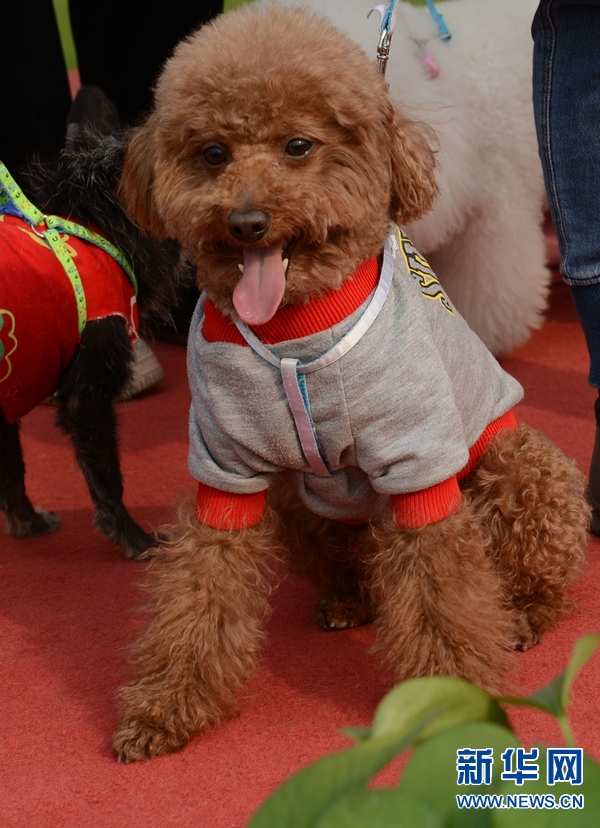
66	614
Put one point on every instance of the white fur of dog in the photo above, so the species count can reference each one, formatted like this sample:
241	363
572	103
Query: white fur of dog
484	236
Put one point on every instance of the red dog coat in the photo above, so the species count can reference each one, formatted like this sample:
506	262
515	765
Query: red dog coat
38	314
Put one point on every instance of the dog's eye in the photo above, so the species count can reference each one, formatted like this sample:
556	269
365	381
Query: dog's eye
214	156
298	147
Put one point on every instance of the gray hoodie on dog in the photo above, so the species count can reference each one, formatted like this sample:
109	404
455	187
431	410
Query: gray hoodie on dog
395	414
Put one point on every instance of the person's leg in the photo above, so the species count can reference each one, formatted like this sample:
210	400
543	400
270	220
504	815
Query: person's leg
566	98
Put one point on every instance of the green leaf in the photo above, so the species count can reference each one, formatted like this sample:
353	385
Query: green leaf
359	734
588	817
546	698
413	700
583	650
379	809
431	774
303	798
555	697
469	818
230	5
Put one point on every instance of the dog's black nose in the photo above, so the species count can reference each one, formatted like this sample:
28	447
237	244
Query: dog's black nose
248	225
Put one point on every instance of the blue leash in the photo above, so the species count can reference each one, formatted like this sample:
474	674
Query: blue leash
439	19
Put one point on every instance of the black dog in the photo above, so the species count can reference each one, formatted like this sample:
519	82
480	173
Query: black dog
80	186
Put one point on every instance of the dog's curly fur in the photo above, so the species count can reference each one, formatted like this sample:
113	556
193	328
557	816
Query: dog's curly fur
488	171
208	599
341	201
455	597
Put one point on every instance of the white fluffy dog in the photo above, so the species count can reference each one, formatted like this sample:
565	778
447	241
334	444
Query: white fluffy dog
484	236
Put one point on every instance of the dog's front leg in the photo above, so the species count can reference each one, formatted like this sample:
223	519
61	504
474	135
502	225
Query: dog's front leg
208	598
22	520
440	606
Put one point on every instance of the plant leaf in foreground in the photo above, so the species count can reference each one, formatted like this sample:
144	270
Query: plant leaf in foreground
379	809
431	774
412	701
302	799
555	697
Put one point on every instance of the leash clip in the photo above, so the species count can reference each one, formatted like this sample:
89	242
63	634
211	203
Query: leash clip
388	23
383	51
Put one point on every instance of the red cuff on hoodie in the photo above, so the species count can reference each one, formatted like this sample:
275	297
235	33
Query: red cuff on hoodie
227	510
438	502
427	506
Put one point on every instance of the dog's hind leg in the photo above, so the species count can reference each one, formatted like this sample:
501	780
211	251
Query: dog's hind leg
86	394
530	498
439	603
208	599
328	554
22	519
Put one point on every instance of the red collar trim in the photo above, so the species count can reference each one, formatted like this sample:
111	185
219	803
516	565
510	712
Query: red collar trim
296	321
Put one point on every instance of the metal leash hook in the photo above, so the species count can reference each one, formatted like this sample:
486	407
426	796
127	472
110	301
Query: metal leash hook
386	30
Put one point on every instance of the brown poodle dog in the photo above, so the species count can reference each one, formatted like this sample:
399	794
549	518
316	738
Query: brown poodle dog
335	364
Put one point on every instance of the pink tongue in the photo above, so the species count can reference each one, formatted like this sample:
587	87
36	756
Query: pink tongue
259	292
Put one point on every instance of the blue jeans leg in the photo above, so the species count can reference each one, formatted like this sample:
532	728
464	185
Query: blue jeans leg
566	99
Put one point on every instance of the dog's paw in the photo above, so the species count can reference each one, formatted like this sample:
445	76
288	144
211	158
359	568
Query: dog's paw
135	741
140	546
526	637
342	611
40	523
120	527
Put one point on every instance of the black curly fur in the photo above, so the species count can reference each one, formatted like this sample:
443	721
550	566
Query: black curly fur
80	185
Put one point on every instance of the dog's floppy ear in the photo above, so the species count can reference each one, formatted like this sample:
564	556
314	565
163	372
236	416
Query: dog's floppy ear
412	161
91	110
136	187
